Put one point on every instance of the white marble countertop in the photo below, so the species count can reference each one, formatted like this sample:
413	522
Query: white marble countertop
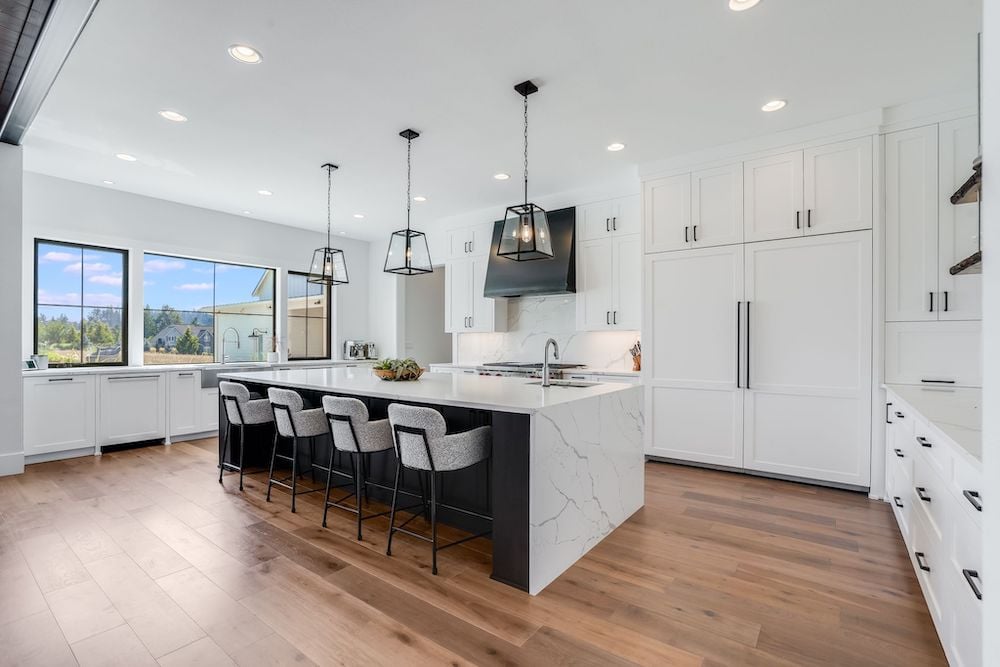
957	412
165	368
503	394
568	371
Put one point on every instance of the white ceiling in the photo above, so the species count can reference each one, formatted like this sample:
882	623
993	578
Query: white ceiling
340	79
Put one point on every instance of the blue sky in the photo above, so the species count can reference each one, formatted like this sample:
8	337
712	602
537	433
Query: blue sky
73	276
187	284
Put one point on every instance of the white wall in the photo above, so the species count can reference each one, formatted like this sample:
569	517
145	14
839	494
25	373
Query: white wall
423	331
11	444
68	211
386	293
991	321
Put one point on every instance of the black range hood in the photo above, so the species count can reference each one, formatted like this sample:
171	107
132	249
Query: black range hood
556	275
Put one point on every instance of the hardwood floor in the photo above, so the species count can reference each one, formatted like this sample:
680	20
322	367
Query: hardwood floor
140	557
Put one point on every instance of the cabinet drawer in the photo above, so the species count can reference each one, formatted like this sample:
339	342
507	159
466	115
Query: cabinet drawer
925	554
931	499
933	446
899	494
964	607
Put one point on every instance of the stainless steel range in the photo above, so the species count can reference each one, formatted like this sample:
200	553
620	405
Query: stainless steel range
524	369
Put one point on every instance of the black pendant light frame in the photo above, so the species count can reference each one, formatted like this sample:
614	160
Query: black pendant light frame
329	265
405	241
525	235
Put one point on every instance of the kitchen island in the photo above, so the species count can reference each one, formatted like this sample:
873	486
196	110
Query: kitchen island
566	466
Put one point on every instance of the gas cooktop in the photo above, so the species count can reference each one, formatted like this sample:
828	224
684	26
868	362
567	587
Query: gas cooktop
529	365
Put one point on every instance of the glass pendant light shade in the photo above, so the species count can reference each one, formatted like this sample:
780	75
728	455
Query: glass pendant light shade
329	266
525	234
408	253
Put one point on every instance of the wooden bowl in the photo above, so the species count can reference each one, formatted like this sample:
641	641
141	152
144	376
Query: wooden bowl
390	376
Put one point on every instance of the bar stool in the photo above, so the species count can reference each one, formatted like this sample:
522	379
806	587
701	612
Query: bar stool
293	422
422	444
353	433
242	411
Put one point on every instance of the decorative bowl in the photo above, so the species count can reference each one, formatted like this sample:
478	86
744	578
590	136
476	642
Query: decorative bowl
390	375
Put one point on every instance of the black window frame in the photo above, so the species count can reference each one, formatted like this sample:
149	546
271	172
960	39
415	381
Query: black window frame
124	307
328	317
274	300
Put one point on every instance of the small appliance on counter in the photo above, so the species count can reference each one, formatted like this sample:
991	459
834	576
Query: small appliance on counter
359	350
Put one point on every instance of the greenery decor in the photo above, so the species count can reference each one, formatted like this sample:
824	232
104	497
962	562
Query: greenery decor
398	370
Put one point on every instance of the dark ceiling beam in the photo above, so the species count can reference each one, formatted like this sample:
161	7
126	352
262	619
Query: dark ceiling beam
50	31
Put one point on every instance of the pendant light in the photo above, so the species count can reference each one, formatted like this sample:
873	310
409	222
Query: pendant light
329	267
408	254
526	227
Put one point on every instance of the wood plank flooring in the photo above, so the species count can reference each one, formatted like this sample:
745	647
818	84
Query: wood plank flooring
139	557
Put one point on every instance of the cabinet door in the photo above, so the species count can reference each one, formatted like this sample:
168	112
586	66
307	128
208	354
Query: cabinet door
208	410
911	224
487	315
694	410
808	403
595	284
627	218
717	206
838	187
59	413
457	291
958	230
458	242
667	213
772	196
132	408
594	220
480	239
934	353
185	387
627	266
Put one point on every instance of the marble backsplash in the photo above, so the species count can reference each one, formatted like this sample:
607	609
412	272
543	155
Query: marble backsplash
531	321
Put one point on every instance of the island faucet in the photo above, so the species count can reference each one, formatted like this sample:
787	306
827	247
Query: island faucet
225	357
545	360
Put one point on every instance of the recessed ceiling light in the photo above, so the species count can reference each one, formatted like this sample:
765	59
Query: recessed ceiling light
109	182
359	216
615	147
741	5
247	212
245	54
420	198
265	193
501	176
774	105
126	157
173	116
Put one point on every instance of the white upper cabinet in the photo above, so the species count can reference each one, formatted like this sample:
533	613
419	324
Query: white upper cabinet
717	206
466	309
471	241
838	187
609	284
614	217
911	224
667	213
457	295
958	231
772	197
627	265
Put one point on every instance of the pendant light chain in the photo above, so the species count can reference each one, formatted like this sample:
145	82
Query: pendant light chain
525	149
329	191
409	199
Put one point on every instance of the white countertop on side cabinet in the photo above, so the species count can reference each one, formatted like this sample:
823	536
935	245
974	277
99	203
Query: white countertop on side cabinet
957	412
167	368
585	370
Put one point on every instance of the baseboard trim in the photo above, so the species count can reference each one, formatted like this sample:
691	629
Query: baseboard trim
11	464
758	473
58	456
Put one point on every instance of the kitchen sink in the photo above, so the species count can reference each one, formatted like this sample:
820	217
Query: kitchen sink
567	383
210	376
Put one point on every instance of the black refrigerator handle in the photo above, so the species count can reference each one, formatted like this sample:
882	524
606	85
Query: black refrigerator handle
747	383
739	311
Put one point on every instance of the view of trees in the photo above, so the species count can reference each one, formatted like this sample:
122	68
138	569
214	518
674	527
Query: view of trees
60	337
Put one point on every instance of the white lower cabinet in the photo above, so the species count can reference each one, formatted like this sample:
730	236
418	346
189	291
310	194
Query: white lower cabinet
60	413
740	383
193	409
132	408
208	409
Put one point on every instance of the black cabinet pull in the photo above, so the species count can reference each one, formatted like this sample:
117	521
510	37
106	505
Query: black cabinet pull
614	317
899	453
969	576
887	406
900	415
739	310
607	224
922	494
60	379
798	223
946	301
188	375
614	223
607	317
932	302
809	217
938	381
922	561
747	383
695	231
974	499
924	442
897	501
686	234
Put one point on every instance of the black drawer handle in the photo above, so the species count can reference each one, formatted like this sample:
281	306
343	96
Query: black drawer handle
60	379
922	494
924	442
922	561
900	415
970	575
897	501
899	453
974	498
939	381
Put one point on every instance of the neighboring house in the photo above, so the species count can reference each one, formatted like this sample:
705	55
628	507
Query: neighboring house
167	337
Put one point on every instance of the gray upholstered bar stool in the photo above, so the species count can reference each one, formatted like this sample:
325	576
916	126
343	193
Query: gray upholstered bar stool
422	443
295	423
241	411
354	433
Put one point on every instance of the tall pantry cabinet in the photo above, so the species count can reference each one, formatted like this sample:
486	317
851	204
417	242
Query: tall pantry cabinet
758	353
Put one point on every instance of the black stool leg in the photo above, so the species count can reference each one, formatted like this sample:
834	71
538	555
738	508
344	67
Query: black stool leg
243	428
270	475
357	487
312	457
295	464
329	476
434	528
222	453
392	510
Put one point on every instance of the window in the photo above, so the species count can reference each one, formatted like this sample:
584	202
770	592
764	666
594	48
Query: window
200	312
81	310
308	318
